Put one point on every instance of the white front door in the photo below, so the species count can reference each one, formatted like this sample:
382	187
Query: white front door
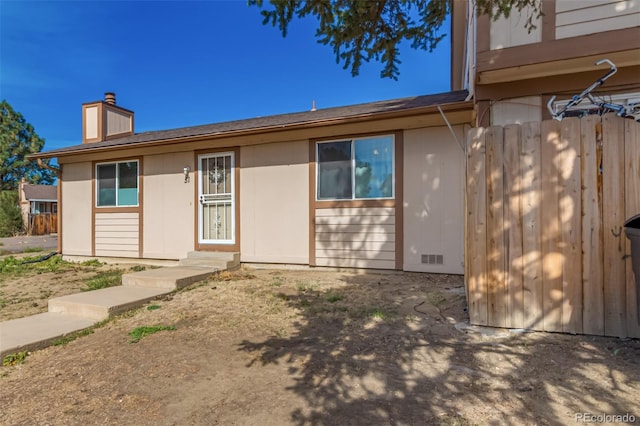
216	185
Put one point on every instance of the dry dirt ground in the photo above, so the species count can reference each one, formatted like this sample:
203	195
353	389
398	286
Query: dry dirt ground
275	347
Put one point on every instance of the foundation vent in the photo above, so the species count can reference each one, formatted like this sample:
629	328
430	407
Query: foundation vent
433	259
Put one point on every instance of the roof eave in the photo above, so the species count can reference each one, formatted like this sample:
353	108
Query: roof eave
430	109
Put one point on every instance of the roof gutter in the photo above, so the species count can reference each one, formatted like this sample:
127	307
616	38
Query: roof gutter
454	106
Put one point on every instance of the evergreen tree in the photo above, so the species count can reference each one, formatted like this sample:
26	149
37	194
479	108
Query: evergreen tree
10	215
361	30
18	139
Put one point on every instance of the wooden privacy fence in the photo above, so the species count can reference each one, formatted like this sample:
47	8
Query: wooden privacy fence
43	224
545	244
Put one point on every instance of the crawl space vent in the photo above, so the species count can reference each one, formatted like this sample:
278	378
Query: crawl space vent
433	259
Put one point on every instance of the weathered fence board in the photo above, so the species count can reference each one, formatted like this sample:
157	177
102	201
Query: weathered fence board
531	226
43	224
592	265
613	220
476	231
632	208
546	206
551	236
513	225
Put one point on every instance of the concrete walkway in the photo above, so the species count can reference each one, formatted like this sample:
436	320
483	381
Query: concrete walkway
75	312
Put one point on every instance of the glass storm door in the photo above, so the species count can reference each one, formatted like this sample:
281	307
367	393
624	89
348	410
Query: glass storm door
216	218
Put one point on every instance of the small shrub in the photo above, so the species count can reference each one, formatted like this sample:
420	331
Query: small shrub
334	297
71	337
153	307
139	332
14	359
91	262
379	314
137	268
105	279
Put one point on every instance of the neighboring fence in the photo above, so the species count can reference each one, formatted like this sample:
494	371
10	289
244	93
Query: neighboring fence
42	224
545	244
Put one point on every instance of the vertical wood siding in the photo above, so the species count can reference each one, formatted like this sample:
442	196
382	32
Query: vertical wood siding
356	237
546	205
117	123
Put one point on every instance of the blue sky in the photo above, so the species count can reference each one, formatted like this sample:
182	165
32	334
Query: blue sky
180	63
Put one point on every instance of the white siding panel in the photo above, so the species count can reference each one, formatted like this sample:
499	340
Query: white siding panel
575	18
356	254
355	246
352	237
356	237
346	220
117	234
568	5
355	263
358	211
357	228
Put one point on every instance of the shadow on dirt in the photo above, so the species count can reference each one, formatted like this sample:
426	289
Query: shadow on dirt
396	358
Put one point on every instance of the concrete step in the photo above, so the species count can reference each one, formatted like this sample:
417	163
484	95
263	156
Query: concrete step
38	331
218	260
225	255
168	278
101	304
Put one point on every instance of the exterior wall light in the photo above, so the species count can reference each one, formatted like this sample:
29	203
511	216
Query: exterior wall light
186	171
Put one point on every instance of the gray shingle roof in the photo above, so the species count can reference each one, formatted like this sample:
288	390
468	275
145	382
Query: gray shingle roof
41	192
281	121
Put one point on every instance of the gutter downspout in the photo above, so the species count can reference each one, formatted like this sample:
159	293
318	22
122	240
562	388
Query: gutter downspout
470	62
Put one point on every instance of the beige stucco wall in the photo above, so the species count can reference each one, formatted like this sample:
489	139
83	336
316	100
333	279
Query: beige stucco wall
516	110
274	203
168	221
76	209
433	199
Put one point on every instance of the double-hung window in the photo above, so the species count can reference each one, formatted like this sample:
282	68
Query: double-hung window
117	184
355	169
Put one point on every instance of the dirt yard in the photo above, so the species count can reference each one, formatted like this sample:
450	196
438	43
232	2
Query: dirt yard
273	347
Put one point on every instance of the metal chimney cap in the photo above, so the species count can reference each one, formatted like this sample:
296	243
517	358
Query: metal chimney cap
110	98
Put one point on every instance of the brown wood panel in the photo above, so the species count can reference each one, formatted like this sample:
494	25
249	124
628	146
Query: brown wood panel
496	236
531	209
557	50
548	20
632	208
312	203
59	195
476	232
399	195
592	257
552	261
513	226
613	220
570	210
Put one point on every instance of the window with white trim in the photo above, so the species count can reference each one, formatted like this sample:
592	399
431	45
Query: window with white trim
117	184
355	169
